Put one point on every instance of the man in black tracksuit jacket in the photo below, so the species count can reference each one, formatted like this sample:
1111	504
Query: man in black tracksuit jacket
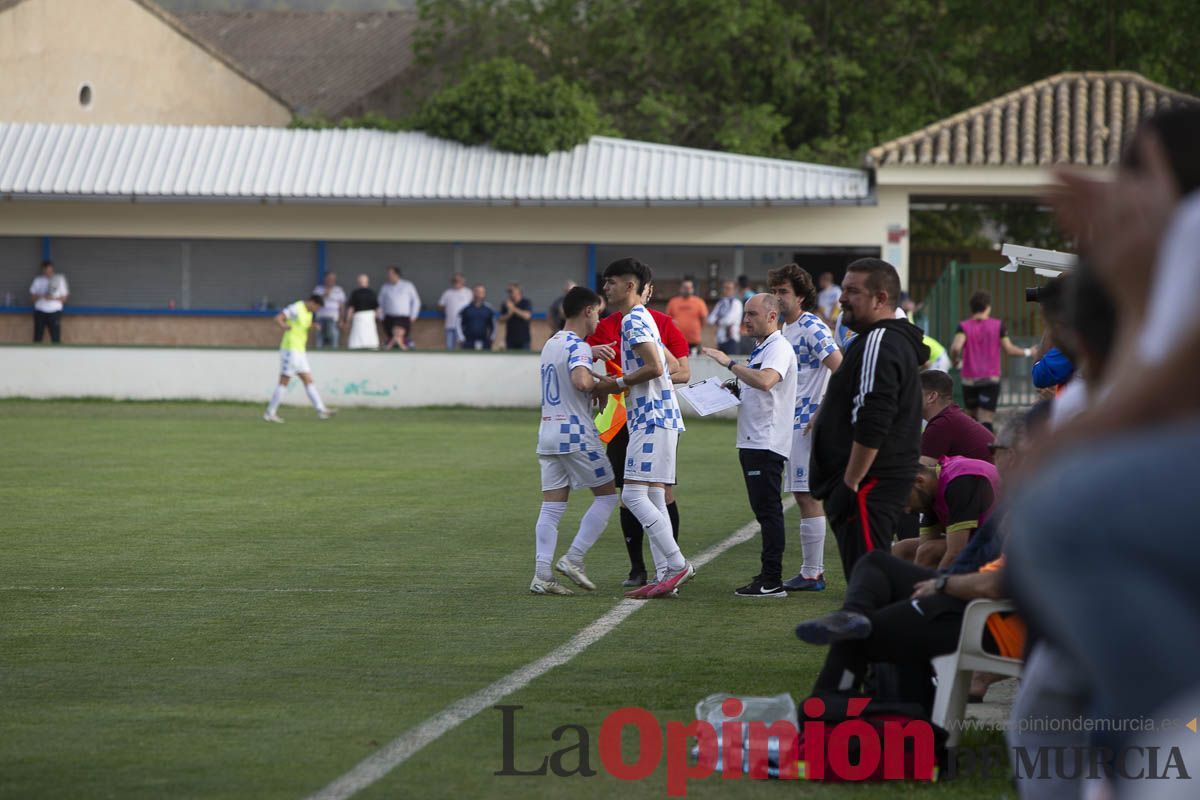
866	439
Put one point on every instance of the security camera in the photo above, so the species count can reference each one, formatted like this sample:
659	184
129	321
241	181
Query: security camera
1050	263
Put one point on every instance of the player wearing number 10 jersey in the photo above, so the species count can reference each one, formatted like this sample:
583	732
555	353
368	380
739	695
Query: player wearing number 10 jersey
569	448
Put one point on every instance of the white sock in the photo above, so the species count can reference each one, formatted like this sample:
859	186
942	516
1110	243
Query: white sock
659	498
594	521
276	398
812	542
546	532
314	397
656	523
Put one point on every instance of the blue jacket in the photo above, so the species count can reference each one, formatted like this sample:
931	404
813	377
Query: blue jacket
1052	369
477	322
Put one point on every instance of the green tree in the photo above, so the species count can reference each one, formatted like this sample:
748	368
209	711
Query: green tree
502	103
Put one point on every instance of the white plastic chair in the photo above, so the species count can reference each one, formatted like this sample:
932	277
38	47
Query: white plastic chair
954	669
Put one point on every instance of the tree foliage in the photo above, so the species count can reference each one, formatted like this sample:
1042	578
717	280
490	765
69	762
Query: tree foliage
502	103
817	80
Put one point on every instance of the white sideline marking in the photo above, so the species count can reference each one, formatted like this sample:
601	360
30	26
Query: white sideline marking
408	744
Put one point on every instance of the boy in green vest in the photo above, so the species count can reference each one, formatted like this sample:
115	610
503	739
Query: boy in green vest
296	320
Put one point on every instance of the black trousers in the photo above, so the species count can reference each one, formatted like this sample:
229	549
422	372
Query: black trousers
43	320
904	632
867	520
763	471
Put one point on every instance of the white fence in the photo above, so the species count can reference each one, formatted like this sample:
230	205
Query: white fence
390	380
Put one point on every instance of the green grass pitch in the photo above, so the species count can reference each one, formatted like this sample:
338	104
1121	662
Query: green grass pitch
197	604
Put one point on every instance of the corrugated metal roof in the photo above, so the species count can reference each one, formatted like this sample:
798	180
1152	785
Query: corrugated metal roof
1072	117
144	162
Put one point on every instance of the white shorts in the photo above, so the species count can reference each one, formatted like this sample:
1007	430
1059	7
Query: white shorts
796	477
579	470
650	456
293	363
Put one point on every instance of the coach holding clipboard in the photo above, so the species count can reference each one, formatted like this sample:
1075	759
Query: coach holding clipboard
764	431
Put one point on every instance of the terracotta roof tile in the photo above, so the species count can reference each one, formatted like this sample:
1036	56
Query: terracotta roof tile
1073	117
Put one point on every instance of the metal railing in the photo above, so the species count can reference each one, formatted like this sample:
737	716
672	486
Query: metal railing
947	304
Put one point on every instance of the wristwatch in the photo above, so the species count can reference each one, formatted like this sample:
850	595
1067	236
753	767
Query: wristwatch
620	383
939	585
731	365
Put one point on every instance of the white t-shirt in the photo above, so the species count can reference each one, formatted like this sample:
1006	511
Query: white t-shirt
765	418
1175	283
400	299
827	299
812	342
55	286
567	425
454	301
726	316
652	403
333	302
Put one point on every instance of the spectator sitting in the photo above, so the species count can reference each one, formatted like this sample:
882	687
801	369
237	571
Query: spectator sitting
689	313
956	495
477	321
948	431
360	313
903	614
516	315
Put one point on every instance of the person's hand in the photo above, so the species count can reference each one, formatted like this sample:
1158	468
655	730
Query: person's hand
717	355
851	486
924	589
1119	224
732	387
1047	393
603	352
604	387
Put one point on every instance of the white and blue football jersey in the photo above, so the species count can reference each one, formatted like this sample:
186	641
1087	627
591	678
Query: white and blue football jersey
567	425
812	342
653	403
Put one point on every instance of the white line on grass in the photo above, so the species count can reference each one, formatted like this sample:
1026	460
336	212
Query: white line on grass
404	747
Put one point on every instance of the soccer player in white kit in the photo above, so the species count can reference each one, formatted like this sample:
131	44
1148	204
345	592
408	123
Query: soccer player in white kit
817	356
569	448
654	422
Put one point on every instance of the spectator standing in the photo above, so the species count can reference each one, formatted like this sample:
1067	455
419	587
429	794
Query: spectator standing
452	301
329	316
948	431
359	313
744	290
867	438
477	321
515	316
764	433
399	305
555	313
689	312
49	292
977	345
726	317
827	297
